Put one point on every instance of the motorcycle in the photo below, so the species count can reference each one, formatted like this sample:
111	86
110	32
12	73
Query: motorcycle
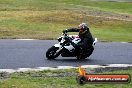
66	49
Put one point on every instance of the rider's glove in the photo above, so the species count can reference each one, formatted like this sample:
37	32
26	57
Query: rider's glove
65	31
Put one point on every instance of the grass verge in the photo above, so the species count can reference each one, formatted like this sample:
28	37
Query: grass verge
55	79
45	19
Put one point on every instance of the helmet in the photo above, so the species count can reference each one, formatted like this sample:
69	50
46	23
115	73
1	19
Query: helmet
83	26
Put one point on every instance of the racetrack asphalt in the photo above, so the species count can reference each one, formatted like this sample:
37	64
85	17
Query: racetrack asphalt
31	54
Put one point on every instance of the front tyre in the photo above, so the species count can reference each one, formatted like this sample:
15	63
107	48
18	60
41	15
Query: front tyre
52	53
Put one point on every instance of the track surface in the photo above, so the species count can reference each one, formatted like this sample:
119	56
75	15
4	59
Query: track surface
31	53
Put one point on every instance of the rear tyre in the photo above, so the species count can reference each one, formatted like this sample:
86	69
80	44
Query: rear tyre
51	53
80	57
90	51
84	56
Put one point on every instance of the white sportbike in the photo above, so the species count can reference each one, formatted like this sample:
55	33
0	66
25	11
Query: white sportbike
66	49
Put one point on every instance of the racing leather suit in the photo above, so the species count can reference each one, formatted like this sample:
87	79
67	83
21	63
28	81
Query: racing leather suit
86	39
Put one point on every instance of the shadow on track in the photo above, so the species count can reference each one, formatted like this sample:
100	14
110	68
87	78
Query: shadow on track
66	61
71	60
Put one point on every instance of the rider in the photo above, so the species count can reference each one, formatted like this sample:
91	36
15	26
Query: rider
85	35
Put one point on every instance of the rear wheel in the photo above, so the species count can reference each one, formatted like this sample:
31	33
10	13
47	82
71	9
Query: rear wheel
80	57
85	55
52	53
90	51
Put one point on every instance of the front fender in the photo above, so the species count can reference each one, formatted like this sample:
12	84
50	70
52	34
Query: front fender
57	45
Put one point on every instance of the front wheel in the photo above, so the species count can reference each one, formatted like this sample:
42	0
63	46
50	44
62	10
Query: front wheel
52	53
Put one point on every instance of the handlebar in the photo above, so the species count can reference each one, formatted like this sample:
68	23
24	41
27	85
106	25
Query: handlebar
66	37
65	34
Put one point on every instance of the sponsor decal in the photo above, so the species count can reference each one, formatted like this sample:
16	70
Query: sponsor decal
84	77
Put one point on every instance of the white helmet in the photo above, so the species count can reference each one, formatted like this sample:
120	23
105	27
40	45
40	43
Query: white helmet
83	25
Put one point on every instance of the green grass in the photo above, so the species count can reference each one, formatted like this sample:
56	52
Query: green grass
121	7
55	79
45	19
56	4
